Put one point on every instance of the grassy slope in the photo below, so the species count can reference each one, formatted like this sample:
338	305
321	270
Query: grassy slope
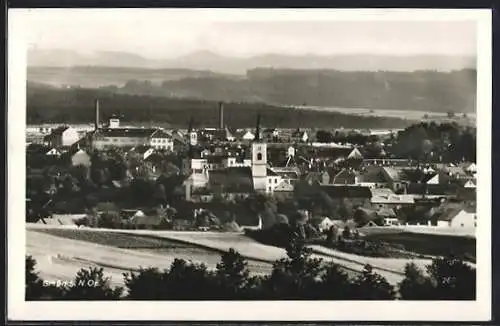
259	255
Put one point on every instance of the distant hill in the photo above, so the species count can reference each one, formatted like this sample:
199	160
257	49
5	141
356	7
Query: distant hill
429	91
206	60
98	76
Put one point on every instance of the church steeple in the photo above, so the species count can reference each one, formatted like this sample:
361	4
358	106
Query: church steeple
257	129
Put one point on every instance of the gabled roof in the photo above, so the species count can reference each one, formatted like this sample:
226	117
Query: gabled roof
160	133
372	174
232	180
449	213
271	173
59	130
141	149
343	175
126	132
346	191
386	212
284	187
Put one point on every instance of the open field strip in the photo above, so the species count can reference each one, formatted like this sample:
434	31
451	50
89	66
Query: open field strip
431	230
260	256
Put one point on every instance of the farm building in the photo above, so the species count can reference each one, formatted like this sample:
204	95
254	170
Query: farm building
456	217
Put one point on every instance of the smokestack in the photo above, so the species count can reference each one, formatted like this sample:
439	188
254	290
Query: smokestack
221	115
96	114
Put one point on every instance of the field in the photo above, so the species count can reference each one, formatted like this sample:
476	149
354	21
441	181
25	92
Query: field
61	251
429	244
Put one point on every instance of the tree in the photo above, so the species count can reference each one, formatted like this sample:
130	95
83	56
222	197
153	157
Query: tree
453	279
361	217
190	281
346	233
323	136
232	275
335	284
372	286
160	194
34	284
111	220
146	284
295	277
415	285
91	284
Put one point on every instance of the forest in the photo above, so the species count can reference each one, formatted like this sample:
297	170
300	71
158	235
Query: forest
76	105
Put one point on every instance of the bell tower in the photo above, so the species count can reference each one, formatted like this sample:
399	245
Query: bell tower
259	161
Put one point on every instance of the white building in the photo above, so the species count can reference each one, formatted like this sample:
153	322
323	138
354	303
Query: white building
62	136
458	218
259	167
132	137
248	136
81	157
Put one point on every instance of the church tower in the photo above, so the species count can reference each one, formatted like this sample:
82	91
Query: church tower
259	161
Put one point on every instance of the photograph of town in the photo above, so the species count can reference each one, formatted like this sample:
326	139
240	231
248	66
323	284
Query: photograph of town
250	160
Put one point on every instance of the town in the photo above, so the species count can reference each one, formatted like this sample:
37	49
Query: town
202	179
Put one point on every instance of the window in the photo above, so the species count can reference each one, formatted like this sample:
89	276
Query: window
259	156
270	188
275	180
461	224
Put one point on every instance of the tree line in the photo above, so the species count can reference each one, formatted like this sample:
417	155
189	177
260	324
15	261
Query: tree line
76	106
296	277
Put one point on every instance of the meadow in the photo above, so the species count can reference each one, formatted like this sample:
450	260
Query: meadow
430	244
125	250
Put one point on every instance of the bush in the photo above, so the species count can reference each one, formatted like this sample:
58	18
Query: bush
372	286
447	279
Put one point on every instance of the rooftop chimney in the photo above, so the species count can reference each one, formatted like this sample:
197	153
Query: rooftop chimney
96	114
221	115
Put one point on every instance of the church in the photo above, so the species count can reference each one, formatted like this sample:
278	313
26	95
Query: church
232	176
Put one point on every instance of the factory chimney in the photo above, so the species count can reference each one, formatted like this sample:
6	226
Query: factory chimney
221	115
96	122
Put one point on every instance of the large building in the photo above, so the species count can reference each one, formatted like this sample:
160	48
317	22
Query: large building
114	136
62	136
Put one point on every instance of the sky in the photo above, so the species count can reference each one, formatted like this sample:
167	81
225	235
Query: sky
168	34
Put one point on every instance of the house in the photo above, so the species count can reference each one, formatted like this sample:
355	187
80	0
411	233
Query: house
144	221
323	224
161	140
53	152
143	151
62	136
234	180
471	168
132	137
391	221
470	184
270	134
300	136
288	175
458	217
346	177
396	178
386	198
387	213
355	154
356	194
81	157
372	176
244	135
